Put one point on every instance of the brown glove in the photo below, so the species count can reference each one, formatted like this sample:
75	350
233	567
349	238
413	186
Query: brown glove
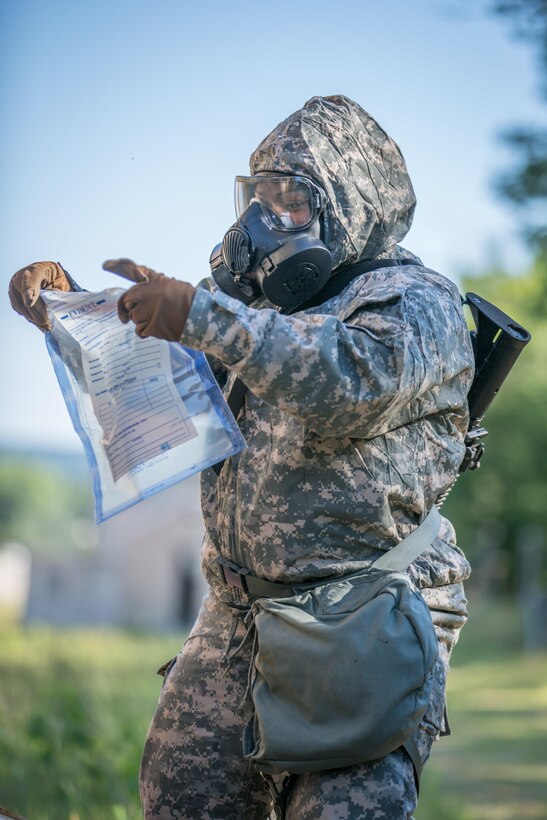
25	286
158	305
130	270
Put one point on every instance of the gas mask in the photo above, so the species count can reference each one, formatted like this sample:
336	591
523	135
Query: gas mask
274	248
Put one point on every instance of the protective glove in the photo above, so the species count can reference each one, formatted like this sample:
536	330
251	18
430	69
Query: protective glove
25	286
158	305
130	270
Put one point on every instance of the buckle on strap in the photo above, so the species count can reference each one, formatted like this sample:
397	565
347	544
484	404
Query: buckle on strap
232	574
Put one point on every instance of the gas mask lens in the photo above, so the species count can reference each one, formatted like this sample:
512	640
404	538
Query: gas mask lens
289	203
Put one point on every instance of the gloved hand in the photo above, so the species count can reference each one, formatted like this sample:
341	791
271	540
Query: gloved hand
158	305
25	286
130	270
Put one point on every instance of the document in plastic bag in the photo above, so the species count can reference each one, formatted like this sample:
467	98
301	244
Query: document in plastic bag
149	412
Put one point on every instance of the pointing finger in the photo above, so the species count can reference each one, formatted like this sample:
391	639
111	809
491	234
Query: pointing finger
129	269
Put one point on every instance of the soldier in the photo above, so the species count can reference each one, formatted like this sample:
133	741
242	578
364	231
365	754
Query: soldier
356	361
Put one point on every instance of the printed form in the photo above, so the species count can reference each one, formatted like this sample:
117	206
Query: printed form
129	381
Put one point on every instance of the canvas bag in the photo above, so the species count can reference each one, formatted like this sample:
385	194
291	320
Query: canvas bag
343	671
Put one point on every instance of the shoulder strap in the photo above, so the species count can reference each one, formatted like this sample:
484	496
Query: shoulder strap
343	276
235	400
398	558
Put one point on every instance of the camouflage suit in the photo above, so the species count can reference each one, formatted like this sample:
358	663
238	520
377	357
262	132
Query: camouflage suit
354	420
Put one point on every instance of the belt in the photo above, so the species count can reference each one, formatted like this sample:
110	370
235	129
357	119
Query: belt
397	559
241	578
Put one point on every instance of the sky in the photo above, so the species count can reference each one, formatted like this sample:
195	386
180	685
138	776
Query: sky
124	122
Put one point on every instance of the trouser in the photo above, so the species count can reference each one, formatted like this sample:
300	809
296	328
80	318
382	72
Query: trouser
193	766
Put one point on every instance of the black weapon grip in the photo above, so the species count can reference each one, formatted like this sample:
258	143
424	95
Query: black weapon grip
497	341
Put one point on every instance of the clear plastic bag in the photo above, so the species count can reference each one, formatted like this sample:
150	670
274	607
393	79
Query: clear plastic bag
149	412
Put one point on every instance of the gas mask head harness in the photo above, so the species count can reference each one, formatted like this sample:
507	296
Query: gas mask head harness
274	248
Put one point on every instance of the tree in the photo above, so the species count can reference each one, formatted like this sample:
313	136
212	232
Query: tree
38	506
526	185
498	508
495	506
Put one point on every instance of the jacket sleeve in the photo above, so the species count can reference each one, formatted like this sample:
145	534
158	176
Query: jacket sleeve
390	360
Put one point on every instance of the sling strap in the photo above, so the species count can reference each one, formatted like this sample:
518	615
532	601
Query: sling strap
343	276
397	559
235	400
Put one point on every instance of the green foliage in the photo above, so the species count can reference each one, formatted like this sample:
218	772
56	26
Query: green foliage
38	507
530	183
494	767
497	505
498	509
526	185
529	18
74	709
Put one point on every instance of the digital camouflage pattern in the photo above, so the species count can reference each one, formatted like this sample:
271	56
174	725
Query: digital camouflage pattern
354	420
362	171
193	766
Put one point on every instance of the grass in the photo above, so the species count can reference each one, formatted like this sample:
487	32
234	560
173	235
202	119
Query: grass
494	767
74	710
75	705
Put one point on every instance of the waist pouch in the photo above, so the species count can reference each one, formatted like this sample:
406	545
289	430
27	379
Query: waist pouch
342	672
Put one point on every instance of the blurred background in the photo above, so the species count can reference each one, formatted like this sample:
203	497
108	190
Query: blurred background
123	125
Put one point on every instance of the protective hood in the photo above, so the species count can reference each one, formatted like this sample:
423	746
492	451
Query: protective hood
337	144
